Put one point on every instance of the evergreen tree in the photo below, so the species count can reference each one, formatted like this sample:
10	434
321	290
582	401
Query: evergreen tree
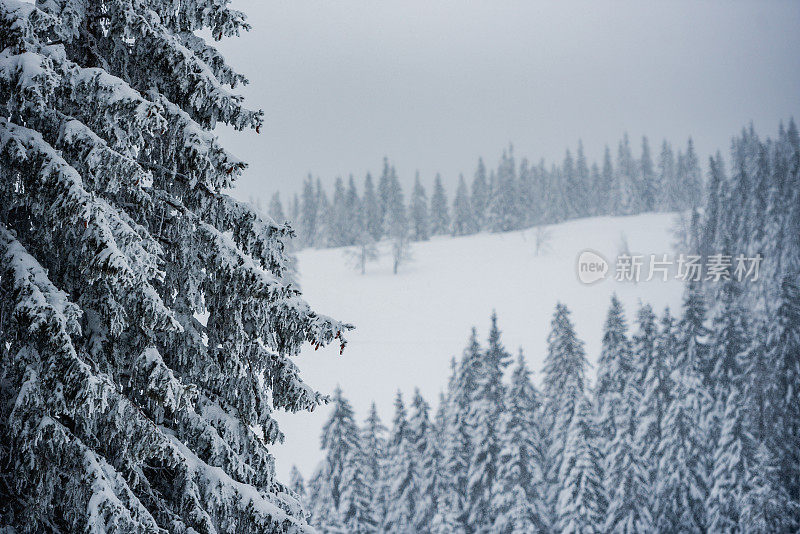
766	506
607	192
341	445
325	230
115	230
403	496
276	209
429	476
692	184
518	495
502	210
355	504
297	485
712	230
571	187
372	212
385	187
595	181
783	357
418	210
480	196
580	504
396	221
683	453
615	370
582	183
527	198
626	180
309	213
727	353
564	387
668	191
355	223
626	471
463	216
339	222
323	513
458	439
485	408
295	215
373	443
656	395
647	179
734	457
440	215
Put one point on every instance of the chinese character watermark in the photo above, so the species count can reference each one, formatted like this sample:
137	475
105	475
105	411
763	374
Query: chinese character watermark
593	267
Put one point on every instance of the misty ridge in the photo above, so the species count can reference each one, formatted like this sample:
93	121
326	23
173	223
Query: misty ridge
152	323
509	197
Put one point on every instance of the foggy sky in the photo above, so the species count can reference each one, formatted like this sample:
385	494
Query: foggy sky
435	84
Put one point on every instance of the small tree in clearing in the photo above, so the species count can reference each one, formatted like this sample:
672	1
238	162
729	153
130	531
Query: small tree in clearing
364	251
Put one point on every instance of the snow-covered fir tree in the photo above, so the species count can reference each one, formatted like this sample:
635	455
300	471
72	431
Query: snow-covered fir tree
502	214
766	505
479	197
518	495
684	460
355	503
626	471
325	235
783	357
429	477
485	408
454	510
626	179
668	193
463	217
564	388
583	186
605	191
647	179
276	208
297	484
581	499
733	458
341	445
401	474
339	217
690	177
615	370
120	410
418	212
440	212
309	216
656	394
371	209
388	175
373	443
354	212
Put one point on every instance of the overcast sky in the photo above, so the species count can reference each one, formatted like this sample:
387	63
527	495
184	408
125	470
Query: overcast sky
435	84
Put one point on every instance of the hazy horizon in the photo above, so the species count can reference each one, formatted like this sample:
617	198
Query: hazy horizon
434	86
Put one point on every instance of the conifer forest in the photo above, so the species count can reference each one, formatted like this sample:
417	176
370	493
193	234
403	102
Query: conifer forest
154	334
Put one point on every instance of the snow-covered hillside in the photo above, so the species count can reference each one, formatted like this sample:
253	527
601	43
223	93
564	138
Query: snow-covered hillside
409	325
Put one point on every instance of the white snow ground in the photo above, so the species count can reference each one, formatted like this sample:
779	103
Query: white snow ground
409	325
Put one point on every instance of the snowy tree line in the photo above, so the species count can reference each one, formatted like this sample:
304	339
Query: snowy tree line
510	197
147	322
692	423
